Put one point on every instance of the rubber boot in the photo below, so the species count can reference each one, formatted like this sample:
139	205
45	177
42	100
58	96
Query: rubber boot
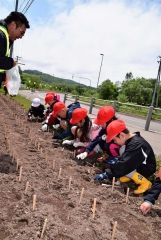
144	183
124	179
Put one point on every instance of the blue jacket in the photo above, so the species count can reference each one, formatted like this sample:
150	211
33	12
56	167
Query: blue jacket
98	140
61	133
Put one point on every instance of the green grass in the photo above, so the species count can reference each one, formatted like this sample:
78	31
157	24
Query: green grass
25	103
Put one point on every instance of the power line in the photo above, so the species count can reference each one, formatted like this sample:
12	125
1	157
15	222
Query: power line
27	6
21	5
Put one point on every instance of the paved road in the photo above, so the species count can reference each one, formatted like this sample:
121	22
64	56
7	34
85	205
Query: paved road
153	136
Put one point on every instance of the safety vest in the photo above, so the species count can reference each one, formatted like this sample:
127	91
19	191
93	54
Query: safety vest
4	30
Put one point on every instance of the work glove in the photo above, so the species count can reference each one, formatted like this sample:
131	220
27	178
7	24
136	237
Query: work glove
78	144
104	137
101	176
56	126
29	117
32	118
95	126
112	160
82	155
44	128
45	111
67	142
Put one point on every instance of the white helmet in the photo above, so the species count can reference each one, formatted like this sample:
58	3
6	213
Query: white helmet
35	102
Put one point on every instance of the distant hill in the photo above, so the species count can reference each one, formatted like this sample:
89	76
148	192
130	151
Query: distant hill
47	78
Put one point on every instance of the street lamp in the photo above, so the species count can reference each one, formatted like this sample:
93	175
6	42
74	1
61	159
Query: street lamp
100	68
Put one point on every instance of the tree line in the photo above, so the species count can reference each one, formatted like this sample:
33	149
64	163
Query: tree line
131	90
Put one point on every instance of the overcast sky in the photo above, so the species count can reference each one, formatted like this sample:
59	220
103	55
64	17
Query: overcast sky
67	37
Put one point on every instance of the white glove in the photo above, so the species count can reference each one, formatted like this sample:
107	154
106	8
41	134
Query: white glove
44	128
32	117
95	126
78	144
82	155
68	142
56	126
104	137
44	112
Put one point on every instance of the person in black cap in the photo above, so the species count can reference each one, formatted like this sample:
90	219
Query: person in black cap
11	28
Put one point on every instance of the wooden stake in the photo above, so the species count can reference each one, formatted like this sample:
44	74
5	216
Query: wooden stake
70	181
17	162
43	229
94	207
26	188
113	183
20	176
13	156
53	163
59	172
34	202
74	154
81	195
38	146
127	195
114	230
30	134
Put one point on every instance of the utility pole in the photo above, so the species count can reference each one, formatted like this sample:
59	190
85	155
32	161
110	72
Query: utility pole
18	62
100	69
16	9
158	77
157	83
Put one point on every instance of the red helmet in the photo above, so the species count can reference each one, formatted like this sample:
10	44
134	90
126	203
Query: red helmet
78	114
160	173
49	97
114	128
56	97
58	106
104	114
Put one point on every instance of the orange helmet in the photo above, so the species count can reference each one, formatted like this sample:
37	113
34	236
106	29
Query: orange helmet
104	114
78	114
58	106
114	128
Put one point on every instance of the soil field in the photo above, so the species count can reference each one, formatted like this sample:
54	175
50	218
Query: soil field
31	167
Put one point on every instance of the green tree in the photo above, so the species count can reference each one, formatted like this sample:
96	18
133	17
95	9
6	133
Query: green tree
138	90
108	90
122	98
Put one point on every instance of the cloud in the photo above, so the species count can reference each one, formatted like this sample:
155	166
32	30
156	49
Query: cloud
70	42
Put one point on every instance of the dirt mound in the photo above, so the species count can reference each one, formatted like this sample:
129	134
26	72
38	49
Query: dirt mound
47	171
